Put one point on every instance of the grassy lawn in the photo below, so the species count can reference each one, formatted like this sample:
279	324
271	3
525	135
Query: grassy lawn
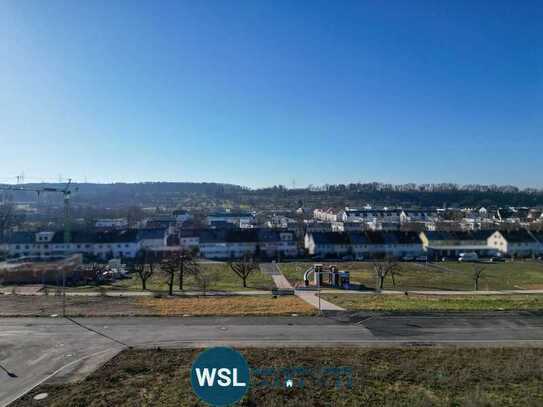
376	302
380	377
497	276
23	305
227	281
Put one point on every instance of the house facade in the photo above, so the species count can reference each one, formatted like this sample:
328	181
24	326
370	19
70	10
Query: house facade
519	243
48	245
362	245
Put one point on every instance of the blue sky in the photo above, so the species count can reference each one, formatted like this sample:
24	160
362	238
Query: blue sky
266	92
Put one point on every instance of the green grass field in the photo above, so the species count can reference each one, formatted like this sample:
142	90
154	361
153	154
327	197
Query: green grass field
416	377
517	275
412	302
227	281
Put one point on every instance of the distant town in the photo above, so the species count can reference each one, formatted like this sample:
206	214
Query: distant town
34	227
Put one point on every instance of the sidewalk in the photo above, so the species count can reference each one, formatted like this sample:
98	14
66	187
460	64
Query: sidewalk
312	298
273	270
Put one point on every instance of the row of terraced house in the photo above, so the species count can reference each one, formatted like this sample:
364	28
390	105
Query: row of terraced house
361	245
227	243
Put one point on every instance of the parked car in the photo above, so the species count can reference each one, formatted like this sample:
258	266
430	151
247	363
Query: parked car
408	258
470	256
496	259
421	258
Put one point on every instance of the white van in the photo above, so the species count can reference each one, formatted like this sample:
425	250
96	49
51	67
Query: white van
471	256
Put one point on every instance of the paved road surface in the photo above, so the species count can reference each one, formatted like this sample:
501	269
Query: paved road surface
35	348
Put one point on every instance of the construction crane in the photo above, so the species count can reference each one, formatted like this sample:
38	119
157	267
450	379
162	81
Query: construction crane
66	192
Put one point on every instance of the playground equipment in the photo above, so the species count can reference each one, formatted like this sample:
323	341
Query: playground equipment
335	278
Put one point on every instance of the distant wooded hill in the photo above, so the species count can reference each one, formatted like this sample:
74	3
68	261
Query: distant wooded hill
126	194
174	193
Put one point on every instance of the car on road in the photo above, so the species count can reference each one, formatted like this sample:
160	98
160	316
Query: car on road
469	256
497	259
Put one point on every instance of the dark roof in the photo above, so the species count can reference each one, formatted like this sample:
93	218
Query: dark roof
538	236
478	235
110	236
366	237
20	238
231	214
151	233
366	212
517	236
331	238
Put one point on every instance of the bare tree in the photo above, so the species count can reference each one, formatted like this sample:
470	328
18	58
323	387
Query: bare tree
144	265
383	269
244	268
169	267
186	264
477	274
204	277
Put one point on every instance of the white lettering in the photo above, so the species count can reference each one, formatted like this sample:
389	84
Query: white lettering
236	383
204	376
224	375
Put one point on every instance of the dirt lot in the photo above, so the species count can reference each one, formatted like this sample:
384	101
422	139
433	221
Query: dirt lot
18	305
240	305
380	377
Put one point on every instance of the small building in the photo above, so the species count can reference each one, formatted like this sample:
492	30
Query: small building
518	243
181	216
152	237
238	219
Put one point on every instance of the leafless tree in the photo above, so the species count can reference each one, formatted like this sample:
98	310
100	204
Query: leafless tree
244	268
477	274
204	277
383	269
169	267
186	264
144	265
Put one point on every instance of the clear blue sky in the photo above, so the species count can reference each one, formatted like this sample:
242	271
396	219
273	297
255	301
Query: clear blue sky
263	92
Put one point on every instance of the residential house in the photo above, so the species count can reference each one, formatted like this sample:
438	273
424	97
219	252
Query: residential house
242	220
518	243
440	244
152	237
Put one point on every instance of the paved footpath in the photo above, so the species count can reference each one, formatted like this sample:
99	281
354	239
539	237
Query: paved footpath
311	297
274	272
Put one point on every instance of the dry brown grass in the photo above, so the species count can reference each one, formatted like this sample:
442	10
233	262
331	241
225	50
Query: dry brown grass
235	305
415	377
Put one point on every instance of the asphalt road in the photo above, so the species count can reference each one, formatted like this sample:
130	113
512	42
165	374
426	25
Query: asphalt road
36	349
